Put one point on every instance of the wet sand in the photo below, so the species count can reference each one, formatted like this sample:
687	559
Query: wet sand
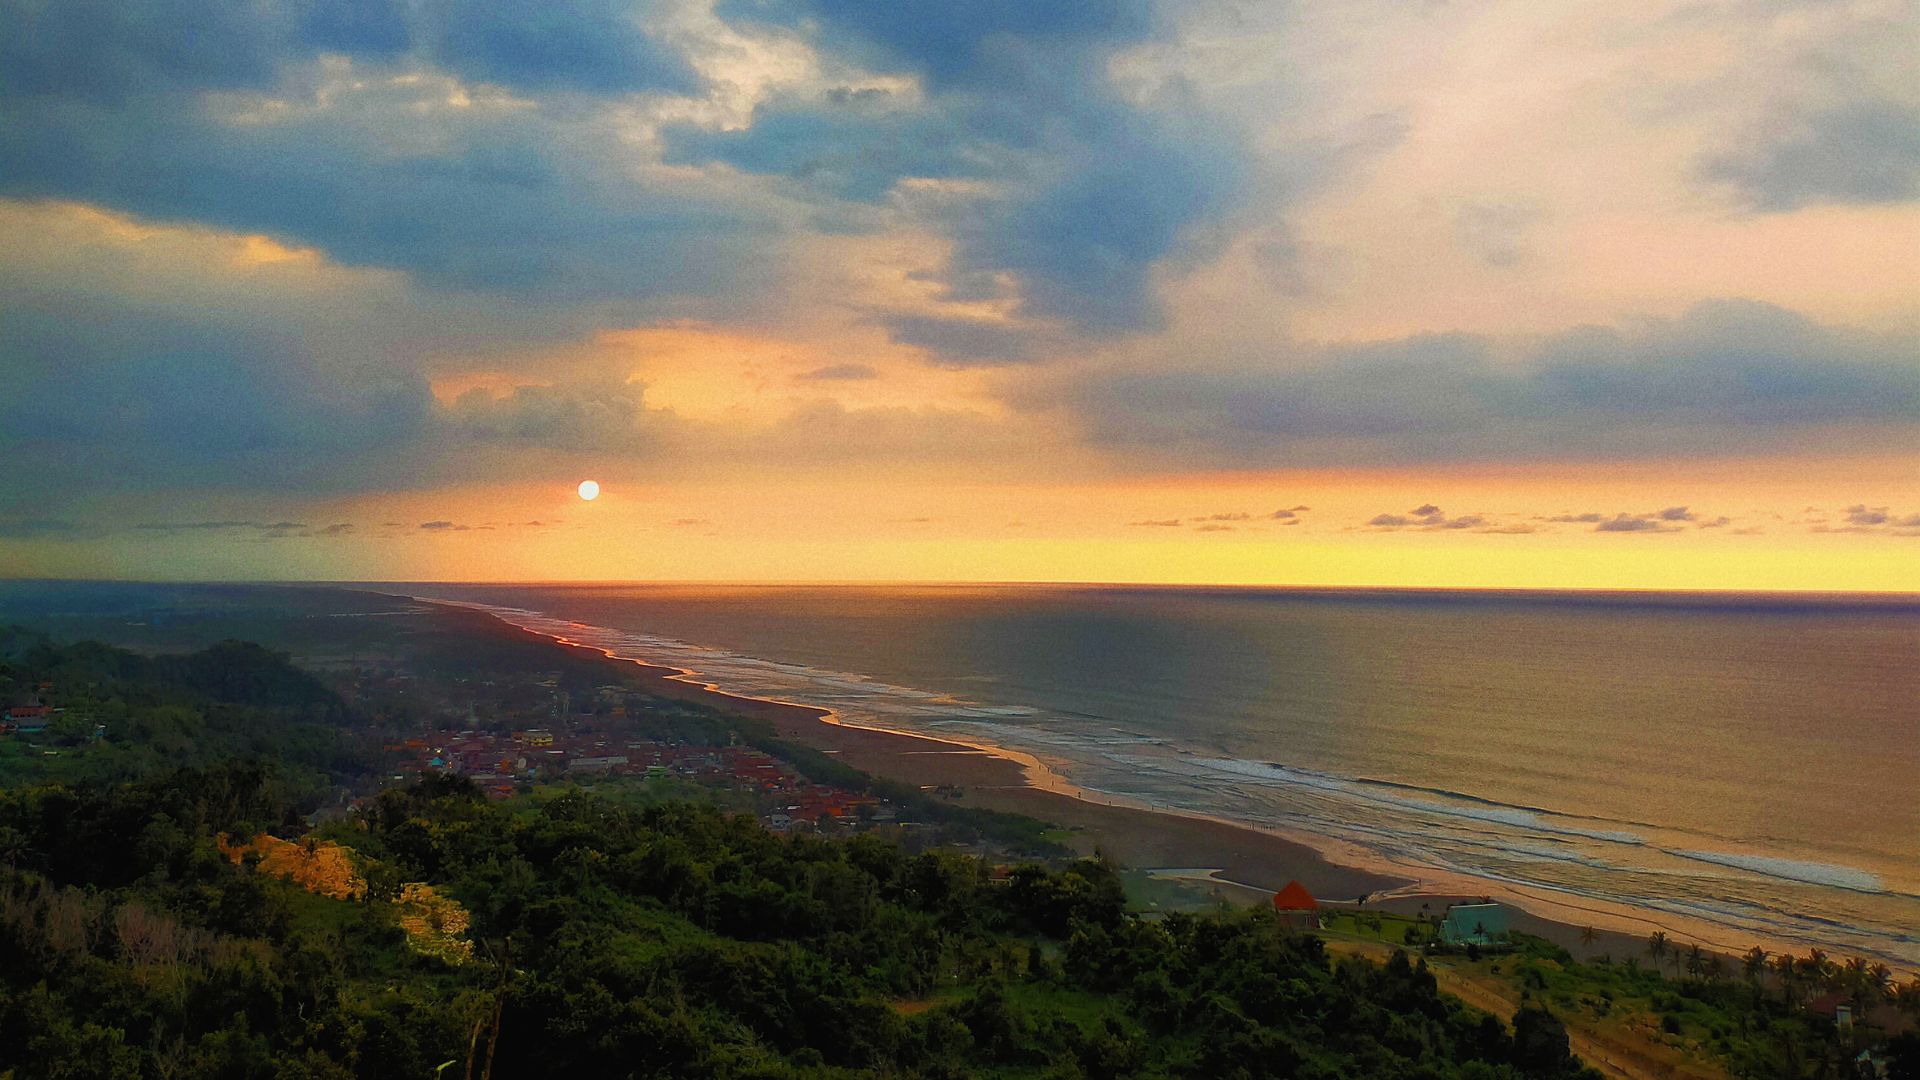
1136	836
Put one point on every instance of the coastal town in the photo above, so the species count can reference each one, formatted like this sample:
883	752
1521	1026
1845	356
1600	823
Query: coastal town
516	735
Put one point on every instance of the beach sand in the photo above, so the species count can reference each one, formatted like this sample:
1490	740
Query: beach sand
1138	837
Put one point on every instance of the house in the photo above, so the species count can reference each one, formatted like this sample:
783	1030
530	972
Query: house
28	719
1297	907
1481	925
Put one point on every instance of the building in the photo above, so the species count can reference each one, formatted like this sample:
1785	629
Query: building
28	719
1297	907
1481	925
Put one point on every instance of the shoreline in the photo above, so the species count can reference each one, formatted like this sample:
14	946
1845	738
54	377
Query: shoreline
1243	855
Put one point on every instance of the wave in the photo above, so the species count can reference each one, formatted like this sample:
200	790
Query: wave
1525	846
1811	873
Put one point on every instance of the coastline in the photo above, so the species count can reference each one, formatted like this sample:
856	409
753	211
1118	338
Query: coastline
1242	855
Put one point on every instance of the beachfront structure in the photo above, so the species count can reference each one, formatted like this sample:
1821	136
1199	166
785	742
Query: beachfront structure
1297	907
1483	925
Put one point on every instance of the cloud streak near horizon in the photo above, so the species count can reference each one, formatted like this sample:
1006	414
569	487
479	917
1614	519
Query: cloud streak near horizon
298	257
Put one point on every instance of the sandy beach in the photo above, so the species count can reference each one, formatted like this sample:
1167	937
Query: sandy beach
1262	860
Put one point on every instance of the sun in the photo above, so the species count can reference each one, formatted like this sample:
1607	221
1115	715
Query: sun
589	490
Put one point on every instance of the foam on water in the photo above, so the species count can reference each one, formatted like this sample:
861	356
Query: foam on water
1663	868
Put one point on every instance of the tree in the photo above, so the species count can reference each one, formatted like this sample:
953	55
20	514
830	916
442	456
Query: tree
1540	1046
1657	947
1788	970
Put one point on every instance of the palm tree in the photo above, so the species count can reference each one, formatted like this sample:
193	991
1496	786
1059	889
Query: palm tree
1788	969
1879	982
1852	978
1754	963
1907	996
1588	935
1696	961
1657	946
1817	968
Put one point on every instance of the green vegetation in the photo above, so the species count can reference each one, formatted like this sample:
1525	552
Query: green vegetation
124	716
671	940
615	935
1751	1021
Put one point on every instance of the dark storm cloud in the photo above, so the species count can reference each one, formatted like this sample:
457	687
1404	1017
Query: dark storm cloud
129	397
234	400
536	201
1860	152
1092	189
1726	375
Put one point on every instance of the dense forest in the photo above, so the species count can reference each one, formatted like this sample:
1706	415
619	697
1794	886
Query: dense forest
667	941
174	910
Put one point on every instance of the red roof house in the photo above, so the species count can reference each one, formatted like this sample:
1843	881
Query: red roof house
1297	907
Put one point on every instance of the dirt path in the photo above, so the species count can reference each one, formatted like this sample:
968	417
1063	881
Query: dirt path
1617	1055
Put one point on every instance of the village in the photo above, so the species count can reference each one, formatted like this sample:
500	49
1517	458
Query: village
502	763
605	735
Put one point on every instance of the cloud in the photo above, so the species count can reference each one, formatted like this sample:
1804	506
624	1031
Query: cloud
1635	523
1224	517
1865	151
605	415
443	526
1426	515
1726	376
1495	232
1164	523
963	342
1676	513
1861	518
1213	527
1430	518
40	529
446	138
1587	518
839	373
1036	164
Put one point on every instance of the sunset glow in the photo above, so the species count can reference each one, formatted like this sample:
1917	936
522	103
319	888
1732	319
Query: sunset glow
1628	310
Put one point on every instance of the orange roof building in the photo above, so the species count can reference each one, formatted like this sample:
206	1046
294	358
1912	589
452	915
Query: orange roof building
1295	897
1297	906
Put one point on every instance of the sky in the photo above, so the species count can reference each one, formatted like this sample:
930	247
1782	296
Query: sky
1519	293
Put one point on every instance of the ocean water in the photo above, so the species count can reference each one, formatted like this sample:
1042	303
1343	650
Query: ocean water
1747	767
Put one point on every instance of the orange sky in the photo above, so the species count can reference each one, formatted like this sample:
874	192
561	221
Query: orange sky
1520	295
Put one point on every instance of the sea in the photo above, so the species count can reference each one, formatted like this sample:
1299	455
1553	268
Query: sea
1745	768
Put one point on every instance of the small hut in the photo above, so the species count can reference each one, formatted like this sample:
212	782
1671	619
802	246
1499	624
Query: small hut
1297	907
